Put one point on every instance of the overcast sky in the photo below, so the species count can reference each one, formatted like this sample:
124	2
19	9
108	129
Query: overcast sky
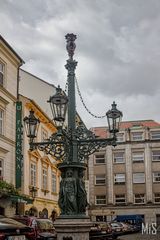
118	50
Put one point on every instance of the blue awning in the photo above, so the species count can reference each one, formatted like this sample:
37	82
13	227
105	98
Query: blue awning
129	217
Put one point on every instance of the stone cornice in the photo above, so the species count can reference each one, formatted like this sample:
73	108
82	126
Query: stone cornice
7	140
8	94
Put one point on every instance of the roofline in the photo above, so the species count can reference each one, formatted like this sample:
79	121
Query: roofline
131	121
9	46
147	120
39	108
38	78
134	121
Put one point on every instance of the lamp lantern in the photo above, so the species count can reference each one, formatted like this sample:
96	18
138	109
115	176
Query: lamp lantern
31	125
114	118
58	104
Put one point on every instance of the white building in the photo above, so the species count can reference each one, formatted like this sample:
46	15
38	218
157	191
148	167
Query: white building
9	72
125	180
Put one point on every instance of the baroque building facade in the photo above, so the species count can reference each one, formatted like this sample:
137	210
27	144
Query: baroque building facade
42	168
40	176
125	180
10	63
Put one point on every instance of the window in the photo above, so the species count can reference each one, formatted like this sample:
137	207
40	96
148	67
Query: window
156	155
138	178
139	198
156	177
119	178
157	197
137	156
1	121
100	179
120	137
137	136
44	134
137	125
54	182
120	199
101	218
1	169
1	74
100	200
118	157
99	158
155	135
44	178
33	172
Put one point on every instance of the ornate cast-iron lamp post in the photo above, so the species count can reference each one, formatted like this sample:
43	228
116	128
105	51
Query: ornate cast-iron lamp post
71	145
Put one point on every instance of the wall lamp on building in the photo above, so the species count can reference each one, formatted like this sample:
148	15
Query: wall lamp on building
33	191
72	143
45	192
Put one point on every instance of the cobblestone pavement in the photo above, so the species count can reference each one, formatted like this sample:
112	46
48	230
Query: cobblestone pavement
140	236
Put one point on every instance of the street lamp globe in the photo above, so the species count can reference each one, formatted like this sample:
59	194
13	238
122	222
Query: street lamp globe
31	125
114	117
58	103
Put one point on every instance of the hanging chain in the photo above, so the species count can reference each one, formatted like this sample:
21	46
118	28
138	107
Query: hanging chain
79	93
66	86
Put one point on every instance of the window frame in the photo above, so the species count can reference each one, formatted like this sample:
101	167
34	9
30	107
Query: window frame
1	168
138	138
101	199
141	197
155	155
114	157
100	179
140	160
156	197
152	134
119	178
33	174
2	72
44	178
121	197
120	137
138	182
154	177
99	158
2	120
54	182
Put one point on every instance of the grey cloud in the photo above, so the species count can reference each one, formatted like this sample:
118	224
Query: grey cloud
117	47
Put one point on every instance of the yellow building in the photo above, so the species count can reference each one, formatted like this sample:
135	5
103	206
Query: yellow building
40	176
9	73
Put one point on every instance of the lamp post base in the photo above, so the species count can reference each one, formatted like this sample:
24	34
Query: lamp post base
73	228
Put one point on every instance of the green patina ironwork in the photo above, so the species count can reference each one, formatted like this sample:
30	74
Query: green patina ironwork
73	146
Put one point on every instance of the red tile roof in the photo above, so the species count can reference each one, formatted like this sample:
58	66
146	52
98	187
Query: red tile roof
102	131
142	123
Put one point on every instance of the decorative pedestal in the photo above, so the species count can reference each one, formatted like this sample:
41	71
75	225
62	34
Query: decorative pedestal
72	228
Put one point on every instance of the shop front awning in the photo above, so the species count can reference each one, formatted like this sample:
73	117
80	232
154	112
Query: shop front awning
21	199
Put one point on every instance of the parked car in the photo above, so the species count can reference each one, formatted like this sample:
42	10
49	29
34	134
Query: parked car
43	227
100	231
11	229
116	227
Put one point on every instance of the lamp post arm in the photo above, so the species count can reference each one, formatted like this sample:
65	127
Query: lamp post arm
57	145
89	146
105	141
